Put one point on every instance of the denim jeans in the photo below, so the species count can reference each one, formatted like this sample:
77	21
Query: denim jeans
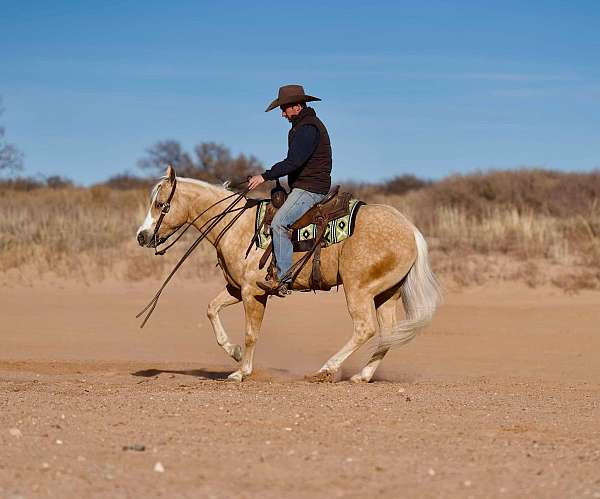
297	204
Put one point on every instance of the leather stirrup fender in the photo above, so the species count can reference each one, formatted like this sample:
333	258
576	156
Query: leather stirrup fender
265	257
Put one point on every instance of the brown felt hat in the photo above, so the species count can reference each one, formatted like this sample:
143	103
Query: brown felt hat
290	94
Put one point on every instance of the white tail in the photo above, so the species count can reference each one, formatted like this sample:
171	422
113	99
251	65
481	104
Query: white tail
421	294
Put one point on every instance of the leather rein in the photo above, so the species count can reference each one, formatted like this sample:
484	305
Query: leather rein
206	227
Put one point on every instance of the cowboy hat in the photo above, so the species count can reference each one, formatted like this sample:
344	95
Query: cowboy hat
290	94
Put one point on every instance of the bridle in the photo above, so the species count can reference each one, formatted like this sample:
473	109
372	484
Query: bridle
163	212
167	206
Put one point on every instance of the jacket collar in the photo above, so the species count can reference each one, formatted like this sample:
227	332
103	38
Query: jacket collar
307	111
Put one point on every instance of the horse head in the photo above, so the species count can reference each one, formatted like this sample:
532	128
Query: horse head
166	212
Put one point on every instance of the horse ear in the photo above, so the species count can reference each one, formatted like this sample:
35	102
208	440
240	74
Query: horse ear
170	173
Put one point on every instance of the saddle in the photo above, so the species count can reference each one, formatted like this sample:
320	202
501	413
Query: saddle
333	206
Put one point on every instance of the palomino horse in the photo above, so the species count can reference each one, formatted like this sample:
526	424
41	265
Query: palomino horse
385	260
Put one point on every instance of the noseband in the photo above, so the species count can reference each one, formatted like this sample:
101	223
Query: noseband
163	211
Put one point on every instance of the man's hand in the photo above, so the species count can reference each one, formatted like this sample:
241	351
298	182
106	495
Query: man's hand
255	181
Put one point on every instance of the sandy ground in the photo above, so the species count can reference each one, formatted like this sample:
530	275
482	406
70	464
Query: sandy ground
499	397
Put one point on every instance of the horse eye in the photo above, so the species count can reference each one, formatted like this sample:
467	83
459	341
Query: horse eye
159	205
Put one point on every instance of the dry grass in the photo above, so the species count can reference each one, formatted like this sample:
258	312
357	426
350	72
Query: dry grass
87	234
533	226
543	226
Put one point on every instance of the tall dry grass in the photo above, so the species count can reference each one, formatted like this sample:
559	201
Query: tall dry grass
535	226
82	233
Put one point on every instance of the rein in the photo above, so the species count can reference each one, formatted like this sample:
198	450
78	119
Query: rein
190	224
206	227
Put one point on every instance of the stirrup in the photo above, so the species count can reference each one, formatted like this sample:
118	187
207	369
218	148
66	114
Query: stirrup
276	289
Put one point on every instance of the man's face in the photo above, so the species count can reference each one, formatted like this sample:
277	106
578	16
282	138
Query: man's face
289	111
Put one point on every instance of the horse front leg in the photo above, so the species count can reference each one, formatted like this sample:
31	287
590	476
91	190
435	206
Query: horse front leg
229	296
254	308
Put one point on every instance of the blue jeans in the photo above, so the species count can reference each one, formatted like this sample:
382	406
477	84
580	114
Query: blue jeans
297	204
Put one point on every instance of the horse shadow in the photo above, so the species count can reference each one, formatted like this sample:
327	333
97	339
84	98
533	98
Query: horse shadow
196	373
259	375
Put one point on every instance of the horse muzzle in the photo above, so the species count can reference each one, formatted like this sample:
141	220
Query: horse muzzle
145	238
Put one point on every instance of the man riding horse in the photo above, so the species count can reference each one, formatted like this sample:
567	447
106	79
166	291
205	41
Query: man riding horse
384	262
308	167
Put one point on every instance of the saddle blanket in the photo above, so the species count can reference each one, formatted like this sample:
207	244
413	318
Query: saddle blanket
337	229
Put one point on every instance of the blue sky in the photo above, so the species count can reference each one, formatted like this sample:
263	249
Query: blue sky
429	88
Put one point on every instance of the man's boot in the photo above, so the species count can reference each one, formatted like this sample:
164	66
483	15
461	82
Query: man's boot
275	287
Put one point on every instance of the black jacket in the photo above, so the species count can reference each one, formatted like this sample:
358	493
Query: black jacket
308	163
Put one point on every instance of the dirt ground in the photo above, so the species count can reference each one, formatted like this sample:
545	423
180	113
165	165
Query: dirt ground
499	397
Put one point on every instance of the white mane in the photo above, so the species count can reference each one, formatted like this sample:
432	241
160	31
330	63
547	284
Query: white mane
214	187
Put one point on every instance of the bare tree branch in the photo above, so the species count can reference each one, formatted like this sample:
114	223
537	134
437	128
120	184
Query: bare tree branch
163	153
214	162
11	158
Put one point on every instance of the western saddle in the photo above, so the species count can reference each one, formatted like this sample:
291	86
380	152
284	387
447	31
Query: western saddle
332	206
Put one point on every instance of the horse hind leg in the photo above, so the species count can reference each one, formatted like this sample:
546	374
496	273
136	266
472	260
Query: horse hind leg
362	310
225	298
386	316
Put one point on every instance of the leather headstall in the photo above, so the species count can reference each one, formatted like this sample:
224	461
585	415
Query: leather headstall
163	211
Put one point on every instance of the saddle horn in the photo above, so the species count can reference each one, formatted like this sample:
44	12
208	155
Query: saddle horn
278	195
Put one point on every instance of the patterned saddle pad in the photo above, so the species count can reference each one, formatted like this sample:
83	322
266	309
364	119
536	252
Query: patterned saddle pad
337	229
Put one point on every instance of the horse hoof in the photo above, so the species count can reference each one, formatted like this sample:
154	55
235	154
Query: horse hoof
236	377
357	378
237	353
320	377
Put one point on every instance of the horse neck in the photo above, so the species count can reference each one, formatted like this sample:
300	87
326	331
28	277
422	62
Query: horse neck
203	197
